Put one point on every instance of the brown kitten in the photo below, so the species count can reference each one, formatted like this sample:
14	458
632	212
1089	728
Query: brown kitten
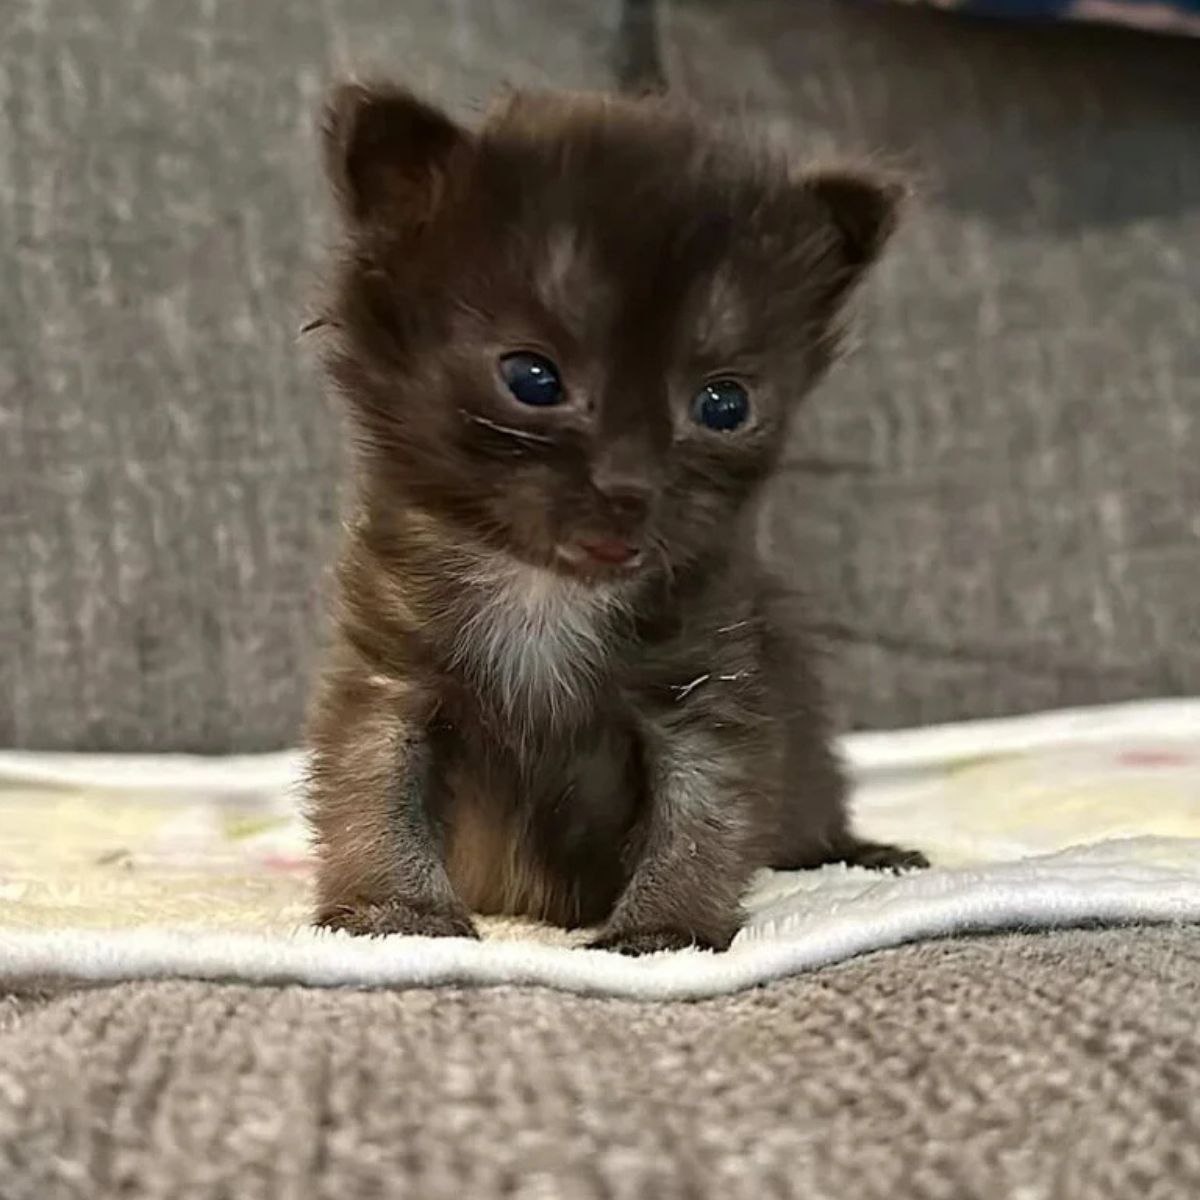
563	685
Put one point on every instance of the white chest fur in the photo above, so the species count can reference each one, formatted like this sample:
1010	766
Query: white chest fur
535	640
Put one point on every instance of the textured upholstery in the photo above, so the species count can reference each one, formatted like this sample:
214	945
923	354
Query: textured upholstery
1062	1066
1008	513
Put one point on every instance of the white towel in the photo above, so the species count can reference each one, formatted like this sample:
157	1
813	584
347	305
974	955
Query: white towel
182	867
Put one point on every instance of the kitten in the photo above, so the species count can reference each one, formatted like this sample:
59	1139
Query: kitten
562	683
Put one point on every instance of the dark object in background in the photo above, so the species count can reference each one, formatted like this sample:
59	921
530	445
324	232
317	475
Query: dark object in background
562	684
637	58
1163	16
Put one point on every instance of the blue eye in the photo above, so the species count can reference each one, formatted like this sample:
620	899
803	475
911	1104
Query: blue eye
532	379
722	405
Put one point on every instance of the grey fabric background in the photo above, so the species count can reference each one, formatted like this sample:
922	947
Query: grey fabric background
1013	514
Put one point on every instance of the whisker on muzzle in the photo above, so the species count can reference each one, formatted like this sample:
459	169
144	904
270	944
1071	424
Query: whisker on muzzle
521	435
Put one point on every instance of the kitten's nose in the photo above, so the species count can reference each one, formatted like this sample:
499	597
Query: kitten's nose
624	508
627	499
627	490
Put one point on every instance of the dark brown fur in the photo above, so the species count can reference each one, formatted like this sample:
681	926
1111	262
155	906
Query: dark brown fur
502	728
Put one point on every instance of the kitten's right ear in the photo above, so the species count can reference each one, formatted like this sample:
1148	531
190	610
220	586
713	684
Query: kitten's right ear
386	153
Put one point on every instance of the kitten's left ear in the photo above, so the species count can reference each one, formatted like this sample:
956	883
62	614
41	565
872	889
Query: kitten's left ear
865	210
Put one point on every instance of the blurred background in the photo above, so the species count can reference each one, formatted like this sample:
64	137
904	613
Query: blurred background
994	504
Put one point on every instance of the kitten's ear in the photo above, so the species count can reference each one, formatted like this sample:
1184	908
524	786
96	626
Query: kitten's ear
864	208
386	153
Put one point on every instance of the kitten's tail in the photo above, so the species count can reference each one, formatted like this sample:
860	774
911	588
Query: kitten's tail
637	57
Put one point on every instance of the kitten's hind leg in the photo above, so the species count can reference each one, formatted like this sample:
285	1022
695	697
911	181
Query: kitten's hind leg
876	856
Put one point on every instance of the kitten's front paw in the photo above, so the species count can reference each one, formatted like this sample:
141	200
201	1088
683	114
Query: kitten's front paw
878	856
637	942
380	920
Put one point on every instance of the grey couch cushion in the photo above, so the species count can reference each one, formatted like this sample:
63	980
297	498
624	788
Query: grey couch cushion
1024	530
168	470
1016	522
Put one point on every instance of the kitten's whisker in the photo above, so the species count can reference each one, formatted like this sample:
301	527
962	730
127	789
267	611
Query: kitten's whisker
661	548
684	690
523	435
311	326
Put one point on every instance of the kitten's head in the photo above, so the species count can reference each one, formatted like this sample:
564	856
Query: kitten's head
576	334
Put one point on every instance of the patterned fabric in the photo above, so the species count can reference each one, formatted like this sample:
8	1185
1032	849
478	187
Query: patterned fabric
1169	16
1041	821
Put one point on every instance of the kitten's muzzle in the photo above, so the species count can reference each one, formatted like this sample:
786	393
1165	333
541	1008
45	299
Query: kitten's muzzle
610	539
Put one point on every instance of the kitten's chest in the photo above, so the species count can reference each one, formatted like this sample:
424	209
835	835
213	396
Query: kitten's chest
535	646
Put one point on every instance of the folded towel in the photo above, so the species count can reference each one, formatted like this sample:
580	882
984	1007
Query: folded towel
137	867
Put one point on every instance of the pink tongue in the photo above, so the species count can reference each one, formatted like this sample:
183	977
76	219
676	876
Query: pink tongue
609	550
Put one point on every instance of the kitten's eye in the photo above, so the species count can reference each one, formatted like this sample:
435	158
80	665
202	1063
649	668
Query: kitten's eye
722	405
532	379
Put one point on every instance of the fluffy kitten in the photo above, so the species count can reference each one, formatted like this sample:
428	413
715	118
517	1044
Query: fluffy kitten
562	685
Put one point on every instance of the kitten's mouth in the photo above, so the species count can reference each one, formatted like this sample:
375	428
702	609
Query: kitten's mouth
601	555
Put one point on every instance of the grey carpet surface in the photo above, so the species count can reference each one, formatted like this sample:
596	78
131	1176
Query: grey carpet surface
1039	1067
1014	520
